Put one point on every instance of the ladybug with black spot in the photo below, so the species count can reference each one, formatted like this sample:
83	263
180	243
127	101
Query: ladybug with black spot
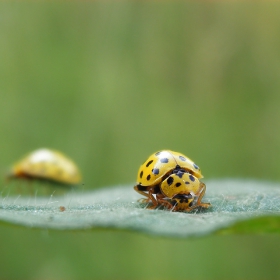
174	180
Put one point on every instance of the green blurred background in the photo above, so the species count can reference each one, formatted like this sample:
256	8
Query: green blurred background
110	83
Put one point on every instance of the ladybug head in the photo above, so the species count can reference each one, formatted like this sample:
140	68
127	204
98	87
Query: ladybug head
182	201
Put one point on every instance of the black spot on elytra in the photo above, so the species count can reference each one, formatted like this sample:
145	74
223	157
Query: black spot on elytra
192	178
141	174
180	174
182	158
178	185
155	171
149	163
148	177
187	182
170	181
195	166
164	160
158	153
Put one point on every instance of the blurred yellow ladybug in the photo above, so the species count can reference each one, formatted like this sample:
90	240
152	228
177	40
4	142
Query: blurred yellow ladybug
49	165
174	179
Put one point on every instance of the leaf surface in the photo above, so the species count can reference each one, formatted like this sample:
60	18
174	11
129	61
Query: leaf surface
237	206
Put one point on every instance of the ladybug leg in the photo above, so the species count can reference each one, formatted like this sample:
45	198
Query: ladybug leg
202	192
167	204
154	201
200	196
149	195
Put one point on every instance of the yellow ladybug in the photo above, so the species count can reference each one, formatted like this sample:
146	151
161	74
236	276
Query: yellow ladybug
174	179
47	164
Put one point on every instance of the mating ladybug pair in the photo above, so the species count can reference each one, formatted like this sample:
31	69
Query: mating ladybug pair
174	180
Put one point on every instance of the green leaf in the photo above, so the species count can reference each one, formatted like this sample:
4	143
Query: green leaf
237	206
